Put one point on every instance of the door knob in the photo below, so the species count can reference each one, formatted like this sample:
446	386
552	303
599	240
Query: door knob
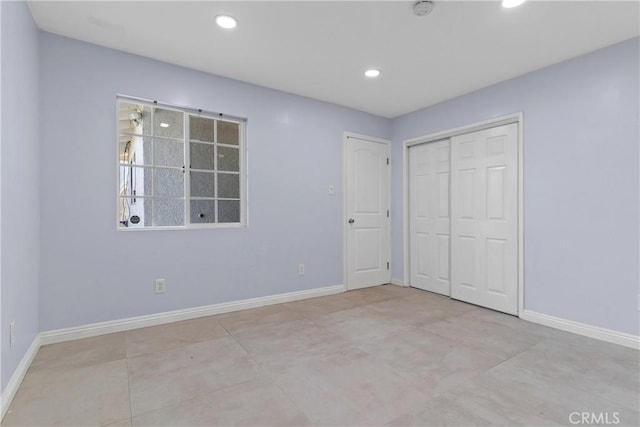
351	220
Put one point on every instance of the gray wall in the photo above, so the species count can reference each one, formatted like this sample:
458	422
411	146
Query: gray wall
581	193
19	191
92	273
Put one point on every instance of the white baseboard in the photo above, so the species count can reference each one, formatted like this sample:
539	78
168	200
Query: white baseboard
95	329
397	282
596	332
18	375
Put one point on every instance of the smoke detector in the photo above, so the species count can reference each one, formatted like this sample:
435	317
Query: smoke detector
422	8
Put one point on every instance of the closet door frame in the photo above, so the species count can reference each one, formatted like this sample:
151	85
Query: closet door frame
487	124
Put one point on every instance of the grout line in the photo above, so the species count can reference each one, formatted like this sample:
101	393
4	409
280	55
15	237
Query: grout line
129	388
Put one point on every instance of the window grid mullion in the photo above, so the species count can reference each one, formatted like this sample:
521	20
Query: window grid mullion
152	135
141	135
152	197
153	173
186	168
230	146
215	170
197	141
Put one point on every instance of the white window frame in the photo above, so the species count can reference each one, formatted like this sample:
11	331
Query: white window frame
242	147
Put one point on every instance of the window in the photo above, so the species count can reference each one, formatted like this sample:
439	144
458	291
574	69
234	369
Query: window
157	188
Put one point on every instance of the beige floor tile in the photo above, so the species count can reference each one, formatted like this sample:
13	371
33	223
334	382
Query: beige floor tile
445	411
411	314
492	406
121	423
433	301
379	391
79	353
361	324
172	335
488	337
371	295
255	403
171	376
192	412
400	291
268	336
89	396
317	397
269	315
279	347
532	398
322	305
436	362
509	321
371	390
604	370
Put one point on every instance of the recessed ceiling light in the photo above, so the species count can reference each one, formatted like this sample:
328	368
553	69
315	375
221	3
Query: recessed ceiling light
226	21
512	3
422	8
372	73
164	125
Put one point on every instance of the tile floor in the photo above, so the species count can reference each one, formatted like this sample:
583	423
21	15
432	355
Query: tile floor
378	356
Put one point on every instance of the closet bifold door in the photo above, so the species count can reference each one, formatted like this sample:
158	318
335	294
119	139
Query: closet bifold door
429	216
484	218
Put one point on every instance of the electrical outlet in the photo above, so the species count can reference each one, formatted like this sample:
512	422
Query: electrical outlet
300	269
12	333
160	286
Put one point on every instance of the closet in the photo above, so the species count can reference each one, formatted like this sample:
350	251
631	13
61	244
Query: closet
463	217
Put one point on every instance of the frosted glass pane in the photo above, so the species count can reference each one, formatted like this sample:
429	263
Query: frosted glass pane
228	186
134	213
168	123
202	156
203	184
168	212
132	181
228	133
148	183
203	211
135	150
134	118
201	129
169	182
168	152
228	210
228	159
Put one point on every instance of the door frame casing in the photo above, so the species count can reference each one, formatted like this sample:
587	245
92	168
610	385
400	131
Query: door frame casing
487	124
345	247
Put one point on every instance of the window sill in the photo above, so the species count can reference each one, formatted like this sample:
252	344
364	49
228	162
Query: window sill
189	227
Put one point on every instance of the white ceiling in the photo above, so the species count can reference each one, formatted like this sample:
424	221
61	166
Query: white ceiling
321	49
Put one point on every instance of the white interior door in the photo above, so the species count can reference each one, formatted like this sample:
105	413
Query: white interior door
484	220
429	166
368	230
